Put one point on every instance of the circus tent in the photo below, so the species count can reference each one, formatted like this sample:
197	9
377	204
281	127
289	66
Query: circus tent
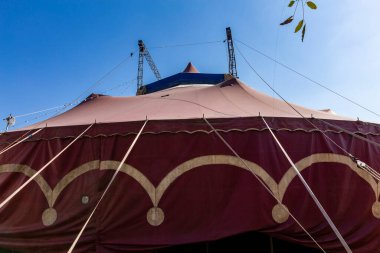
201	164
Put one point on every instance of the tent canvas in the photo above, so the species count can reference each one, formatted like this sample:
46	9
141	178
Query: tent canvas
181	184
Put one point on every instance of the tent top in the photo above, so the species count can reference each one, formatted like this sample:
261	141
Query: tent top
190	75
228	99
184	78
190	68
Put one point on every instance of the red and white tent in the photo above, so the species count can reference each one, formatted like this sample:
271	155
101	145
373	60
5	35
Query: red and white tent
181	183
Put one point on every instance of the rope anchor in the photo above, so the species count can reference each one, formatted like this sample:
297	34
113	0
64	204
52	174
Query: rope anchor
362	165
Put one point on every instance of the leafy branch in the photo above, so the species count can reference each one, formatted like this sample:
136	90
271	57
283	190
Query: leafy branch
302	23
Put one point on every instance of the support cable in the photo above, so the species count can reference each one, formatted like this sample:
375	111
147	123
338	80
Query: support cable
108	186
350	133
368	169
308	78
40	111
47	113
262	183
341	239
18	141
98	82
61	108
13	142
42	169
187	44
126	85
311	193
359	163
291	106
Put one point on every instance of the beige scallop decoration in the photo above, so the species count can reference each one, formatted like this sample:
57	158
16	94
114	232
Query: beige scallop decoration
376	209
155	216
280	213
49	216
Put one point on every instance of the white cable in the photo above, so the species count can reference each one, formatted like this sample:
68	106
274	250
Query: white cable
187	44
309	78
311	123
320	207
76	100
18	142
31	113
13	142
262	183
350	133
40	170
360	164
108	186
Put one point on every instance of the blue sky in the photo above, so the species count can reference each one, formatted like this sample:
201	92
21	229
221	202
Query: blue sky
52	51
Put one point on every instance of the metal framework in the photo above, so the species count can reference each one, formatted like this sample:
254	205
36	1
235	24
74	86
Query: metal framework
143	52
231	54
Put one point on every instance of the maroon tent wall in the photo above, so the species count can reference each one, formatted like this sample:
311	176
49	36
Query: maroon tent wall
215	197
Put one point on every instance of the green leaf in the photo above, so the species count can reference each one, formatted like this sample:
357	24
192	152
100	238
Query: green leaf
299	26
311	5
291	3
287	21
303	32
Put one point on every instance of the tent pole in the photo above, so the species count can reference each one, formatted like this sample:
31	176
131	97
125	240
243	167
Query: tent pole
271	244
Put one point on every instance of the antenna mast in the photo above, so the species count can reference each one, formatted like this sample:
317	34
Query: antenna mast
143	52
231	54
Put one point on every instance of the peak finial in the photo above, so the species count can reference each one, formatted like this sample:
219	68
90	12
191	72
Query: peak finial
190	68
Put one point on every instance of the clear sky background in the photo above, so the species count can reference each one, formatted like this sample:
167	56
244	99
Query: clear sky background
51	52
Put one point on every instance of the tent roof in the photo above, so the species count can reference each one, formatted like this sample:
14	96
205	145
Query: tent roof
182	79
229	99
190	68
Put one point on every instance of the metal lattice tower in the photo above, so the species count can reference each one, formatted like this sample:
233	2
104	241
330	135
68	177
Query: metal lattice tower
143	52
231	54
141	65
